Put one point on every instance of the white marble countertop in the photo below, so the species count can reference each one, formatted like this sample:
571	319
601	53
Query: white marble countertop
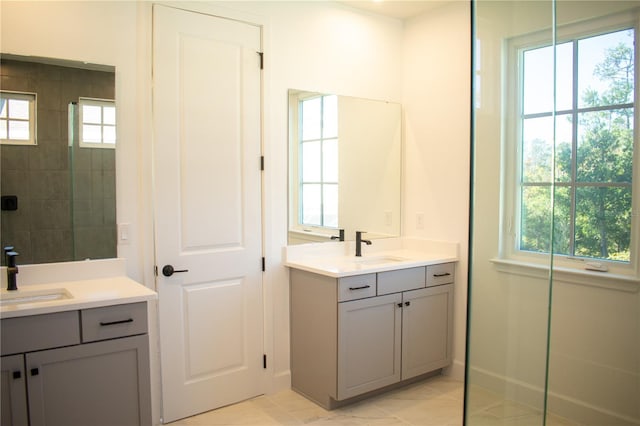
336	260
383	261
87	293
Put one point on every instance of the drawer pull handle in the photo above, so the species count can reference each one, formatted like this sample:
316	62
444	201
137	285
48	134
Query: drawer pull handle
407	303
35	371
116	322
446	274
360	288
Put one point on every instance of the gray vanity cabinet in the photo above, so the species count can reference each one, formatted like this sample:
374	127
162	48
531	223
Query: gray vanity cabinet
13	392
358	334
427	318
93	384
369	335
101	377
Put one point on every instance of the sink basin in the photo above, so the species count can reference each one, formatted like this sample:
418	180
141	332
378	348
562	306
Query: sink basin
378	260
33	296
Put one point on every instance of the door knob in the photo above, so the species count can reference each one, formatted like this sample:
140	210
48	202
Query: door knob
167	270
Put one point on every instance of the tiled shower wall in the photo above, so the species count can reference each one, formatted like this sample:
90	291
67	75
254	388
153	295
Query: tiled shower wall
66	196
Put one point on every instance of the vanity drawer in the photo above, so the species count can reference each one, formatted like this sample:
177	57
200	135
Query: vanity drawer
36	332
356	287
400	280
440	274
110	322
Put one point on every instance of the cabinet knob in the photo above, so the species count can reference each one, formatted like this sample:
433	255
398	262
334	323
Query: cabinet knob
407	303
400	305
16	375
35	371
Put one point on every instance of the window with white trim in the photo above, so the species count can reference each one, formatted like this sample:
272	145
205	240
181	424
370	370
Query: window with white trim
17	118
576	152
318	161
97	123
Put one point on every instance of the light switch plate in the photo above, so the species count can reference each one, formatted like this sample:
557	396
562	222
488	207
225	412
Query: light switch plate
124	233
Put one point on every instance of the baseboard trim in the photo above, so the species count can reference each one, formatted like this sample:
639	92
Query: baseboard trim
280	381
455	370
561	405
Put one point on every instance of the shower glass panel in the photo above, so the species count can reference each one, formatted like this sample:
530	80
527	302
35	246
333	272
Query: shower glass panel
93	201
512	173
554	295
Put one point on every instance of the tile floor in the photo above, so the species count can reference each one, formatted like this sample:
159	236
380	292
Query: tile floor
489	409
436	401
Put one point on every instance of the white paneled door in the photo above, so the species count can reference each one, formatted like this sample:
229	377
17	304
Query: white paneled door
207	147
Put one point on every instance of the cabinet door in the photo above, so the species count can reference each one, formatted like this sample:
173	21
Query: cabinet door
368	344
103	383
13	392
427	318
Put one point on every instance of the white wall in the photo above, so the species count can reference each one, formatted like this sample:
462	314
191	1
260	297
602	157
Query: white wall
436	92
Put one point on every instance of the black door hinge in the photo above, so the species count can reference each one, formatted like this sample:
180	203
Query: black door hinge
261	60
264	361
155	270
264	265
262	162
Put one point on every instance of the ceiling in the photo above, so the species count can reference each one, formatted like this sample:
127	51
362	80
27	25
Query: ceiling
400	9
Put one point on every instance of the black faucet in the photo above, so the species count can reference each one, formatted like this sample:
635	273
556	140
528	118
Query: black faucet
12	269
359	242
339	237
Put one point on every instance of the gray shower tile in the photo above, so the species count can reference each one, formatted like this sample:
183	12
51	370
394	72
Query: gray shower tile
49	184
52	246
15	157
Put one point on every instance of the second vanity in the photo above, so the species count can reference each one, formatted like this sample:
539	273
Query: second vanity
76	352
360	325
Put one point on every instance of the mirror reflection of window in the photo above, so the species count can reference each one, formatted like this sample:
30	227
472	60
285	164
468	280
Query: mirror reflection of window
17	118
98	123
318	139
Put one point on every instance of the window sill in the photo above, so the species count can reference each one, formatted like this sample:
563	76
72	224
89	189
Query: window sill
311	236
606	280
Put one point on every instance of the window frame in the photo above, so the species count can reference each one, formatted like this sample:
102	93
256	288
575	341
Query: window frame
510	257
296	182
101	103
33	119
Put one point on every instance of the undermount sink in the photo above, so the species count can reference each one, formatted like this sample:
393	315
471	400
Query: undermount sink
378	260
34	296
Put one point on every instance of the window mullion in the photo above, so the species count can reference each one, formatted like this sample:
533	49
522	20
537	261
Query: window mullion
300	167
574	153
322	161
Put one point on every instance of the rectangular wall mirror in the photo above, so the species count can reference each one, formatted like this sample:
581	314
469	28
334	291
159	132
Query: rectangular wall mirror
344	167
57	131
